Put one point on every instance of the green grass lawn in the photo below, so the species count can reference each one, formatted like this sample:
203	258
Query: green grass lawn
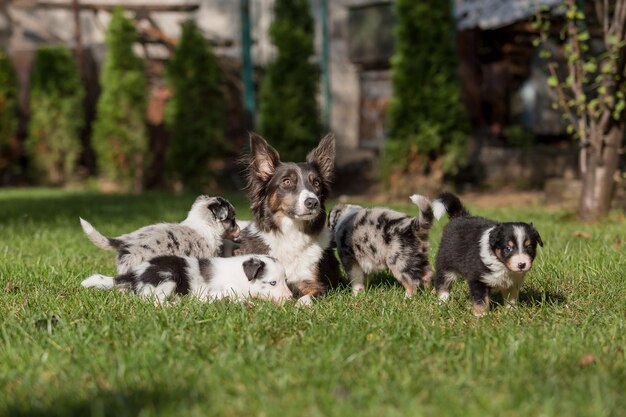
65	350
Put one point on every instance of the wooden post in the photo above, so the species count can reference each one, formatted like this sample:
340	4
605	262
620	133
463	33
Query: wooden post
247	71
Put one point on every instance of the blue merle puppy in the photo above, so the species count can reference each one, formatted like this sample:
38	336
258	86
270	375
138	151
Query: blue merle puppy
200	235
375	239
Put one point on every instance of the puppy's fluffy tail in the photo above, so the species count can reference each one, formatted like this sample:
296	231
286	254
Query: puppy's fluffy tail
102	282
426	215
449	203
98	238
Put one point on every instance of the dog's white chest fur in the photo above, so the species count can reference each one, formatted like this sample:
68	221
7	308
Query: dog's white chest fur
297	251
500	276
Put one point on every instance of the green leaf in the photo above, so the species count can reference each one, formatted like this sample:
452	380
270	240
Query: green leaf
553	81
583	36
590	66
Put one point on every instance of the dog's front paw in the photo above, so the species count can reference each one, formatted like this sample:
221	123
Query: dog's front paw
479	310
358	289
443	297
304	301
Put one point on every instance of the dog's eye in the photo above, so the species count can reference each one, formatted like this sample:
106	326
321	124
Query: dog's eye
507	250
273	283
287	182
316	183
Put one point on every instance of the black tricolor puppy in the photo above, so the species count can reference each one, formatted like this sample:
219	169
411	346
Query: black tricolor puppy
491	256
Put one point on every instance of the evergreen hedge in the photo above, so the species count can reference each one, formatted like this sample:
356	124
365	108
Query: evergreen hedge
56	108
120	138
288	110
425	119
195	115
8	109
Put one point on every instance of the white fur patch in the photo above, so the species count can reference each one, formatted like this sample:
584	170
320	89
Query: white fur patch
102	282
297	251
444	296
439	209
420	201
87	227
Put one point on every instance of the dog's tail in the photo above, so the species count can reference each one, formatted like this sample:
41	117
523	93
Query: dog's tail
98	238
426	216
449	203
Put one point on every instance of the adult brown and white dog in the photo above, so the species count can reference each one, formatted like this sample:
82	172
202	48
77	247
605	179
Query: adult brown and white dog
287	201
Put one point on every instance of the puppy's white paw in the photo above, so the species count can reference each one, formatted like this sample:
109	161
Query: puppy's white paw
305	301
98	281
444	297
357	289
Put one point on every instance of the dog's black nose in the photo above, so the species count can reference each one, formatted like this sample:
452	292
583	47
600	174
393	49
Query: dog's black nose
521	265
311	203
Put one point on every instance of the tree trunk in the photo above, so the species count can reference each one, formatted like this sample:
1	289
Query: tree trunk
599	175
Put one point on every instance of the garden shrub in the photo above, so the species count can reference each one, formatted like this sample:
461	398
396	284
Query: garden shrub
120	138
8	109
195	115
288	110
56	110
425	118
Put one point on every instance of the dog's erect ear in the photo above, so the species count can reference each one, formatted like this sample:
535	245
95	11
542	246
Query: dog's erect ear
253	268
496	235
323	157
536	235
219	208
265	159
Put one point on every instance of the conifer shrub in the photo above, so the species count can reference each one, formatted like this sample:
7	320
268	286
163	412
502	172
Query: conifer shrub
120	138
56	109
8	110
427	129
288	109
195	114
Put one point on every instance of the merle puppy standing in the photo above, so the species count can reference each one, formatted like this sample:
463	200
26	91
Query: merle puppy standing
287	200
490	255
374	239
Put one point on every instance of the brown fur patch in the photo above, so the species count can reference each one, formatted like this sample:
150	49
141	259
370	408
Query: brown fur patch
527	242
309	287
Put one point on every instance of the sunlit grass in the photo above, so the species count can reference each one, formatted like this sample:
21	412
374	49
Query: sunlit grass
65	350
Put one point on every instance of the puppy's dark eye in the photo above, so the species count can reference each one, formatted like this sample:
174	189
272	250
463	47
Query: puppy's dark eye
272	283
316	183
287	182
507	250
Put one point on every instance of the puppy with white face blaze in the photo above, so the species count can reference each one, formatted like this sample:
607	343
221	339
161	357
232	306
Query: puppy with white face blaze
236	278
492	256
200	235
288	203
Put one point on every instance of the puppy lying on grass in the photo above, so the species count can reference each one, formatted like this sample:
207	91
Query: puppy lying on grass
372	240
238	278
200	235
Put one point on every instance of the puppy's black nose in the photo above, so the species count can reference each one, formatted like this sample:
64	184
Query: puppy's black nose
311	203
521	265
